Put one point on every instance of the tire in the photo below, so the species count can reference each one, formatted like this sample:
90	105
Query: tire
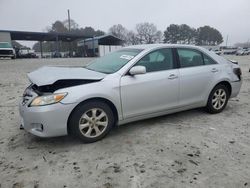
88	118
217	99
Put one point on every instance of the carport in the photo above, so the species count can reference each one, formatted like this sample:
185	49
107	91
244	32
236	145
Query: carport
43	36
100	45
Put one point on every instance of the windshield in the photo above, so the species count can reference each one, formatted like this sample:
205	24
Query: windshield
5	45
114	61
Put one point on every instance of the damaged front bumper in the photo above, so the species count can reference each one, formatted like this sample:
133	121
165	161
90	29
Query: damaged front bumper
46	121
43	121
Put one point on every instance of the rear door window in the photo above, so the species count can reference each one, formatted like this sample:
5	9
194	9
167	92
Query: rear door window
208	60
189	57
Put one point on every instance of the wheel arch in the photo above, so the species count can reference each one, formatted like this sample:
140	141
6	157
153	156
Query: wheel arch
225	83
108	102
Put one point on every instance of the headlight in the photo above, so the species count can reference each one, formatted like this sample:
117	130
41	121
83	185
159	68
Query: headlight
48	99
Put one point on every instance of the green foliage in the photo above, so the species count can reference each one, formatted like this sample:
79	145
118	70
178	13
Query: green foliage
207	35
184	34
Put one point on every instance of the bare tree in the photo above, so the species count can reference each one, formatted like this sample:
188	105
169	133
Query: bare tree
132	38
119	31
148	33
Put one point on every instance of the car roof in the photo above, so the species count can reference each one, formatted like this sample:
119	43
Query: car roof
153	46
149	47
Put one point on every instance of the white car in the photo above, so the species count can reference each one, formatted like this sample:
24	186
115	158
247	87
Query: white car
131	84
6	50
242	52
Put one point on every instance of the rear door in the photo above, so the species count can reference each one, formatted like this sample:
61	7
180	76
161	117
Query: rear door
156	90
197	73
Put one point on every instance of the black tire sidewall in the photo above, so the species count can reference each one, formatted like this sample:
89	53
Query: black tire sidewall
210	107
80	110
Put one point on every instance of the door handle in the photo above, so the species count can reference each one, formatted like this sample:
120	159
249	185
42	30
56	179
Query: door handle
172	76
214	70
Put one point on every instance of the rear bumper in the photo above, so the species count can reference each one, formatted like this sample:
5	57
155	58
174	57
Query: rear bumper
52	118
235	88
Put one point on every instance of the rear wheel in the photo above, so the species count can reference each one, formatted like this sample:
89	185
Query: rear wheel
91	121
218	99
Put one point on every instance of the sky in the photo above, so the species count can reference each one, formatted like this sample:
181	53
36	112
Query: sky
230	17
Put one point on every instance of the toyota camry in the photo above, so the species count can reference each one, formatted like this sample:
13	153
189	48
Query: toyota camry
130	84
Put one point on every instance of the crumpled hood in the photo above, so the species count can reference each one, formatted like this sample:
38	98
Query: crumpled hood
49	75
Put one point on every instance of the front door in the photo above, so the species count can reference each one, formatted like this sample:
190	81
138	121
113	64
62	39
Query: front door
156	90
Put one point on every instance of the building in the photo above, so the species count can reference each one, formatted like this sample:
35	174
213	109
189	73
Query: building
100	46
89	46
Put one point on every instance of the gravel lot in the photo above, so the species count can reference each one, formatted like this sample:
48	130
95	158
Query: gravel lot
187	149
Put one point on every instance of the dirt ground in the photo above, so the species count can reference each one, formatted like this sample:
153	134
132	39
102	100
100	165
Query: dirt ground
187	149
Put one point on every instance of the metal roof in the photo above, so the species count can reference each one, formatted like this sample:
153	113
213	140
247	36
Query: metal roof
104	40
43	36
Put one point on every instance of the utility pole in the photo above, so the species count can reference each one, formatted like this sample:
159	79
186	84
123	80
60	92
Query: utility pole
70	53
226	40
69	19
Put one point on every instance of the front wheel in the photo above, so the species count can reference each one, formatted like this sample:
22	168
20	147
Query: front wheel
91	121
218	99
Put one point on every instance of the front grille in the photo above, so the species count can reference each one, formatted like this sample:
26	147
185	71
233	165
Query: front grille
6	52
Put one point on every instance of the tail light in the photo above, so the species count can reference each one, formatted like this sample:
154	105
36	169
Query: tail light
237	72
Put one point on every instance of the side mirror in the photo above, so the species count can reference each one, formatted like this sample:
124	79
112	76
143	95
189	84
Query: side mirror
137	70
233	61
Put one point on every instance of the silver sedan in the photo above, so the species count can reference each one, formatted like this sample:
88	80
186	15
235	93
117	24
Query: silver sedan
131	84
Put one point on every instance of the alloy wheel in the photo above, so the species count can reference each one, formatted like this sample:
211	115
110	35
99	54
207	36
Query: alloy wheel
219	99
93	123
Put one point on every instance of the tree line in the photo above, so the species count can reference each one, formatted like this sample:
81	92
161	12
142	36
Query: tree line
147	33
144	33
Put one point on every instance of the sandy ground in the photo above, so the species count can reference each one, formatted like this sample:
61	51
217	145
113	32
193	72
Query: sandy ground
187	149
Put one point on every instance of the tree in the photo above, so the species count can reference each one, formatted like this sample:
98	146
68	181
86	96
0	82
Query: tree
73	24
187	34
119	31
207	35
179	34
132	38
58	26
99	33
62	27
148	33
172	34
